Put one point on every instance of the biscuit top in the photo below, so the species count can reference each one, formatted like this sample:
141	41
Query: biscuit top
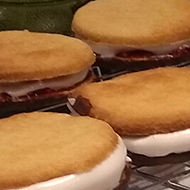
133	22
33	56
142	103
36	147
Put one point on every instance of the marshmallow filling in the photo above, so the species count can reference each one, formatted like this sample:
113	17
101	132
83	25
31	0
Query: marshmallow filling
124	51
18	89
159	145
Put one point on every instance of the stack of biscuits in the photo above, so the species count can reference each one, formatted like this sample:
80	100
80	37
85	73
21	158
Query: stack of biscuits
52	150
142	114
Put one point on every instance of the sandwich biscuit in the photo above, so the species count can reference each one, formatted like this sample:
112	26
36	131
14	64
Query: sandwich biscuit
149	109
39	69
59	151
135	34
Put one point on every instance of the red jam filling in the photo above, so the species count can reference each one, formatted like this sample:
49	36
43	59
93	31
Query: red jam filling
46	92
142	54
134	53
41	93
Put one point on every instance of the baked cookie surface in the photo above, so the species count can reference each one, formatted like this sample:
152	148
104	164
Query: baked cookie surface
142	103
34	56
133	22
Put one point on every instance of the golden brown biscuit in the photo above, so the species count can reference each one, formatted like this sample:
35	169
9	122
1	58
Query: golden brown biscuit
142	103
38	70
133	22
34	56
41	146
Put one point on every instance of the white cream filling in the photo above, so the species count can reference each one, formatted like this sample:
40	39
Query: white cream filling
159	144
104	176
109	51
22	88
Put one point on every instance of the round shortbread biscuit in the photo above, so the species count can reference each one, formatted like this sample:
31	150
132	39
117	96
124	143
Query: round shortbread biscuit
38	146
34	56
138	104
133	22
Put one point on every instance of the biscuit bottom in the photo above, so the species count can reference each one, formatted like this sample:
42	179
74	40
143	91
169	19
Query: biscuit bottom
40	99
10	108
124	178
141	60
141	160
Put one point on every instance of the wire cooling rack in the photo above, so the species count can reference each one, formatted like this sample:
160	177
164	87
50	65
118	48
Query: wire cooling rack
162	177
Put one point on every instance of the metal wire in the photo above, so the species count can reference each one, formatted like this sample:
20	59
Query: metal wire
176	177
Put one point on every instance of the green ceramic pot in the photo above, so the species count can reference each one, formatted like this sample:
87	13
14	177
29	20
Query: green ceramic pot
38	15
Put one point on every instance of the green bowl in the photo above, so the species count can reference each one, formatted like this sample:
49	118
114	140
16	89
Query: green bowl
39	15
